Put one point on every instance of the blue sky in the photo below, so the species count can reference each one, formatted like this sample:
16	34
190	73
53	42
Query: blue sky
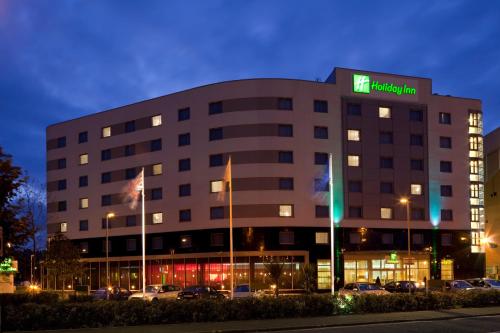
61	59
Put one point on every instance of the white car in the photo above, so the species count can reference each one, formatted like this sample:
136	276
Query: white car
242	291
157	291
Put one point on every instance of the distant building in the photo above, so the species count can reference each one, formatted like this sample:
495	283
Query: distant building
492	203
390	136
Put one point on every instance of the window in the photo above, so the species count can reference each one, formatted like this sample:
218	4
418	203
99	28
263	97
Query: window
286	210
83	181
320	106
131	220
185	164
322	238
445	142
384	112
355	212
157	218
285	157
216	239
215	134
156	120
61	163
156	193
286	238
61	184
285	104
184	139
417	164
105	177
84	203
445	166
446	215
157	169
84	225
386	187
216	186
417	238
84	159
130	173
83	137
355	186
157	243
416	189
446	239
353	135
320	132
129	150
416	115
386	163
216	160
61	206
321	158
104	246
106	200
285	130
155	145
84	247
321	185
446	190
322	211
215	107
183	114
184	190
63	227
416	140
354	238
216	213
386	213
286	183
61	142
186	241
385	138
185	215
353	160
354	109
105	154
417	214
129	126
106	132
387	239
444	118
131	244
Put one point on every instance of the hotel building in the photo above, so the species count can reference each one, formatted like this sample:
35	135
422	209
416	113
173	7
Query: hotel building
492	202
390	137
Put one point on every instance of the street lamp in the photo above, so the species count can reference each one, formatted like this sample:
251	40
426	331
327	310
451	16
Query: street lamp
406	201
109	215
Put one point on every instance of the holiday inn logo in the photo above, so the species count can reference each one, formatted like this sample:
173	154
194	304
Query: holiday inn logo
362	84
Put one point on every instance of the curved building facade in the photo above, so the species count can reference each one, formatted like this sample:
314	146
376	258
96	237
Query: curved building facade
389	136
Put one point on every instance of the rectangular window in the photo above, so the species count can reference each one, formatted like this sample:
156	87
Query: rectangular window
83	181
445	142
322	238
286	183
320	132
216	186
106	200
130	173
217	213
156	120
321	158
321	185
105	154
157	169
385	138
83	137
186	241
129	150
320	106
322	211
157	243
215	134
353	135
354	238
185	164
216	160
446	239
156	193
386	213
130	126
387	239
416	189
285	130
131	244
355	186
184	139
61	184
131	220
446	190
84	159
61	163
416	140
155	145
217	239
106	132
416	115
285	104
286	211
445	166
84	225
61	142
386	163
384	112
184	190
353	160
61	206
417	239
386	187
444	118
63	227
157	218
355	212
417	164
84	203
185	215
183	114
285	157
446	215
417	214
286	238
354	109
215	107
105	177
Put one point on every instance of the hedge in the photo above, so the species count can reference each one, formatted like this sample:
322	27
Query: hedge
70	314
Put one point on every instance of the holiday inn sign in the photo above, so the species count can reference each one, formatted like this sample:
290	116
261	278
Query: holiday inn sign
363	84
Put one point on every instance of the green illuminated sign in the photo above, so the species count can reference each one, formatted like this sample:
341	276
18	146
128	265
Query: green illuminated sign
362	84
6	266
393	258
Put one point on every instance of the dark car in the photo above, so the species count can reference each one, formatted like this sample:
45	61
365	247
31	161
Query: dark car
485	283
401	287
197	292
458	286
111	293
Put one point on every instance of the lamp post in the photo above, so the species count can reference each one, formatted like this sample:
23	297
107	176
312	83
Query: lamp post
406	202
108	216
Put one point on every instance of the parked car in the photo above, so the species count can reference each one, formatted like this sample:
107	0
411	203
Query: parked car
200	291
243	290
485	283
111	293
359	288
458	286
157	291
401	287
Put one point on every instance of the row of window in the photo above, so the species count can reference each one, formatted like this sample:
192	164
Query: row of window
356	186
388	163
387	138
386	113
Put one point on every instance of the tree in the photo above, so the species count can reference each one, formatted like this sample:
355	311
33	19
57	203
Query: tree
308	274
62	259
275	267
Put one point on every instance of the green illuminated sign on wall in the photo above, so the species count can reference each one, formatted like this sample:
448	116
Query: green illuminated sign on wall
363	84
7	267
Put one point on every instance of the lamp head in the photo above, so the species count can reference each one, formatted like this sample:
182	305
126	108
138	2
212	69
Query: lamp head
110	215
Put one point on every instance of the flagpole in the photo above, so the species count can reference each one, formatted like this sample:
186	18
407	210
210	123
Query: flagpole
143	238
332	227
231	254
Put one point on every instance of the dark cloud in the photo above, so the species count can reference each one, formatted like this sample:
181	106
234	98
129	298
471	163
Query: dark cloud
63	59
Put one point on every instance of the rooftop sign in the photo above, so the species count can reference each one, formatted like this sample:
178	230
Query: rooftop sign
364	84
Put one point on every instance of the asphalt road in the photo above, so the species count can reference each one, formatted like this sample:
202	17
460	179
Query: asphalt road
481	324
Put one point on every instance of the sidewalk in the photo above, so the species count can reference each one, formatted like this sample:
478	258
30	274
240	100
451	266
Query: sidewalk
294	323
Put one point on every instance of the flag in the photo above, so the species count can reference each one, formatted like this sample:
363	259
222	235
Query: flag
133	189
227	180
